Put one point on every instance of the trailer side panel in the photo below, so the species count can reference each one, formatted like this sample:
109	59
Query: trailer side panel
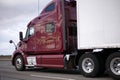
98	23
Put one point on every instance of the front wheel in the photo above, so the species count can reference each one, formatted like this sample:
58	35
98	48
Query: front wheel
19	63
113	65
90	65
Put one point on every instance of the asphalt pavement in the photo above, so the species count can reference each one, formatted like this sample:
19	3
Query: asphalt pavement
8	72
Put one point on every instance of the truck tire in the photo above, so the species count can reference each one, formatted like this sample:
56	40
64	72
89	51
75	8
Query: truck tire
19	63
91	65
113	65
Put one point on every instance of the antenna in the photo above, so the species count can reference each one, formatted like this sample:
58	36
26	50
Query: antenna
38	7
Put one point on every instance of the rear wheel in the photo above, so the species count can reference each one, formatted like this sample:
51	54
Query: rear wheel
113	65
90	65
19	63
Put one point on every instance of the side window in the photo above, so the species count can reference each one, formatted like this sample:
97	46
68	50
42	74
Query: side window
51	7
30	32
50	27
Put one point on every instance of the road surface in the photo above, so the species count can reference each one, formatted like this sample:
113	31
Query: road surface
8	72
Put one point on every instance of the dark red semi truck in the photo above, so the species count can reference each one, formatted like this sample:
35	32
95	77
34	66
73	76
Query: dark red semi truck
70	34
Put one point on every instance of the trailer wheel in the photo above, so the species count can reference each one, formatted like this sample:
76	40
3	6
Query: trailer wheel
113	65
90	65
19	63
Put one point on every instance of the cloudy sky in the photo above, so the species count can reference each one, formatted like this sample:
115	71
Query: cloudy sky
14	17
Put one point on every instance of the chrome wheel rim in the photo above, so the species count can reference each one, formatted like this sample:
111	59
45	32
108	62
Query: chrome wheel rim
115	66
18	63
88	65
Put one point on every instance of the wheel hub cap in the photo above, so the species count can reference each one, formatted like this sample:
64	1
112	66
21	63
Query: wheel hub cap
18	63
88	65
115	66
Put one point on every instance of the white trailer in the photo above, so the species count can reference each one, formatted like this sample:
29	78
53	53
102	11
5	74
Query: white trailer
98	30
98	24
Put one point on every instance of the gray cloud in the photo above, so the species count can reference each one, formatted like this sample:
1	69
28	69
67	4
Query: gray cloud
14	17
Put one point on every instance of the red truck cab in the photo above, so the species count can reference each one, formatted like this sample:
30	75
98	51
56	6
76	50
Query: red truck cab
49	37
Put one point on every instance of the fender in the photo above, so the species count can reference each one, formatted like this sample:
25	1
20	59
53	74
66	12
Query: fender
15	53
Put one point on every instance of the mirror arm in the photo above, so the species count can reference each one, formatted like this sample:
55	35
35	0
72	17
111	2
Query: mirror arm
13	43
